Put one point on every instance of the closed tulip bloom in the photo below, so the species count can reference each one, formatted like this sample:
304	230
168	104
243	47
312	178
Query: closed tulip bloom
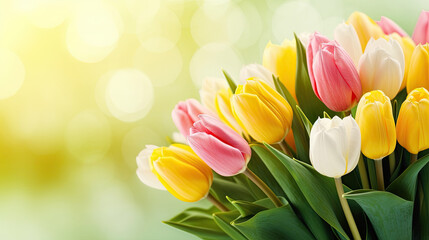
186	113
224	150
377	126
224	110
209	89
412	127
389	26
418	75
313	48
407	46
382	67
176	168
256	71
281	60
262	112
365	28
421	31
335	82
335	146
347	37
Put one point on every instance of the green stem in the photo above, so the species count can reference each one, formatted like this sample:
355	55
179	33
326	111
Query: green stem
379	172
264	187
413	158
347	113
363	173
346	209
217	203
392	162
285	148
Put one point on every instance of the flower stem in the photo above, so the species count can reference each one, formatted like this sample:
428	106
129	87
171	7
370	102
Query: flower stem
285	148
363	173
255	179
413	158
217	203
346	209
379	173
392	162
347	113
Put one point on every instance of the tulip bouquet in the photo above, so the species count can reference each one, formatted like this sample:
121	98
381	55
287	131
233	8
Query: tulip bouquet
327	139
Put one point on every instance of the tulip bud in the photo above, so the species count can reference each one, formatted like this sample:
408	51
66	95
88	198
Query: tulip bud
420	34
335	146
377	126
335	81
313	47
389	26
208	91
186	113
418	75
281	60
382	67
224	150
256	71
407	46
347	37
262	112
412	127
365	28
176	168
224	110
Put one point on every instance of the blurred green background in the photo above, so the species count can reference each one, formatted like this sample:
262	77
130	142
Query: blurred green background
85	85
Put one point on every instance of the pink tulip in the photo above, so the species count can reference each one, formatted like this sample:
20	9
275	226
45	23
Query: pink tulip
186	113
223	149
421	31
389	27
313	47
336	81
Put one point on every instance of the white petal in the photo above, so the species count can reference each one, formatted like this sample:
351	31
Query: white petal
347	37
354	142
144	172
209	88
256	71
179	138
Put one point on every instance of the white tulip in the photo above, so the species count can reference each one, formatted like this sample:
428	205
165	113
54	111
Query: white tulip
256	71
347	37
335	146
144	170
179	138
209	89
382	66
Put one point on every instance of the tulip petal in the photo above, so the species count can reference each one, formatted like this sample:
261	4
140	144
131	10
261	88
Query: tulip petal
354	142
144	171
421	31
222	158
182	121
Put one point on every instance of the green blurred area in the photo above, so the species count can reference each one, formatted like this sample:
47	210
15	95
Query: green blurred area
67	159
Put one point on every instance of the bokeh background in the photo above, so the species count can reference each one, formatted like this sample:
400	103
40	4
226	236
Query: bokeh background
85	85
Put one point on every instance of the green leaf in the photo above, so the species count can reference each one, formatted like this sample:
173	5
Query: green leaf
307	124
246	208
424	208
231	82
199	222
406	184
224	219
317	226
308	101
222	187
273	224
319	191
390	215
301	136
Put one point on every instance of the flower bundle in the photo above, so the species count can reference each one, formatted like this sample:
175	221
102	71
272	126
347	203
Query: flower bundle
327	139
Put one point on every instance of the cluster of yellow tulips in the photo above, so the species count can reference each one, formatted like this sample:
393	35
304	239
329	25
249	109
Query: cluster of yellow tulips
286	103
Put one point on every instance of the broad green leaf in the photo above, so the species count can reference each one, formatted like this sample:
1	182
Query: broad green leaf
222	188
307	124
317	226
390	215
274	224
198	222
424	209
308	101
246	208
406	184
231	82
319	191
302	139
224	219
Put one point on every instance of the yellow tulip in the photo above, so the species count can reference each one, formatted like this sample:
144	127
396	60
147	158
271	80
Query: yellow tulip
375	119
181	172
365	28
412	127
224	110
418	75
281	60
407	45
262	112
